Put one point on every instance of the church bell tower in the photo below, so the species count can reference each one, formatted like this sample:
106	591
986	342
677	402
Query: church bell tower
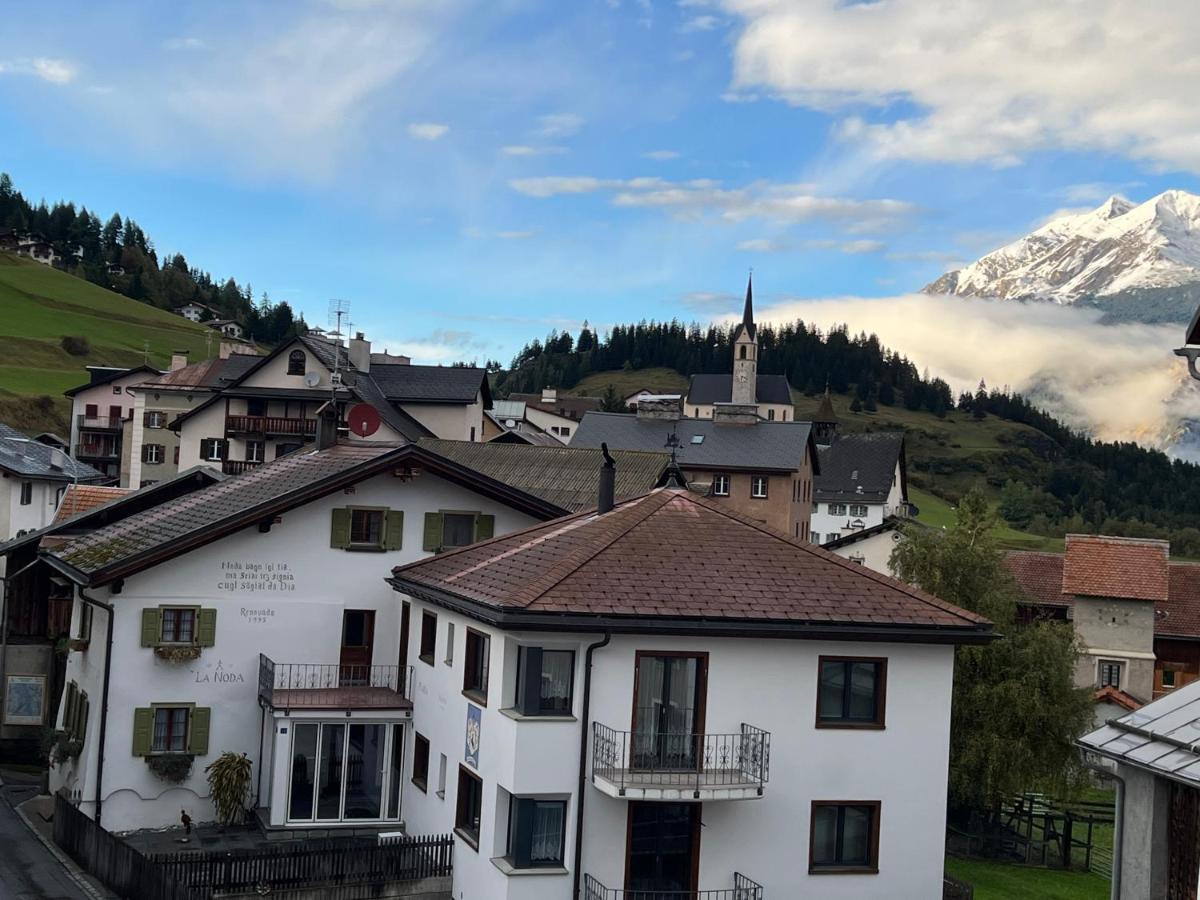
745	354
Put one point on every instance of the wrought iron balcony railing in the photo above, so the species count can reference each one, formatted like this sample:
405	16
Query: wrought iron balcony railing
330	686
271	425
743	889
648	758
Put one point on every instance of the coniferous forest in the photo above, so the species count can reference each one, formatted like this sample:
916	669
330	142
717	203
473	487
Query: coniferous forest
117	255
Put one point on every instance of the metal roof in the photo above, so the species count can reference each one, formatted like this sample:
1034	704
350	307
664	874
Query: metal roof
1162	737
27	458
761	445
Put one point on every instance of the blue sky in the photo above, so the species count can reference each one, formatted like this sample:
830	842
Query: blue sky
472	174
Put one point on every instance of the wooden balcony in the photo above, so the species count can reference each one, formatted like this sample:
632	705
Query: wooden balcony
684	767
99	423
320	686
270	426
238	466
98	451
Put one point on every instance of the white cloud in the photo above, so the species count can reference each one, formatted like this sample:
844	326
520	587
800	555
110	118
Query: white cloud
54	71
702	197
427	131
1119	383
184	43
988	81
853	248
698	23
559	125
661	155
529	150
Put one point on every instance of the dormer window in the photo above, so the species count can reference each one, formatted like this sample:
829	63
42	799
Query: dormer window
297	362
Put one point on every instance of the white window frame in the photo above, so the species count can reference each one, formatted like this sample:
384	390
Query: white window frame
837	509
858	510
718	479
755	480
1101	662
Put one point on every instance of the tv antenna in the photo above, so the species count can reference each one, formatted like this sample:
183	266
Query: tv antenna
338	310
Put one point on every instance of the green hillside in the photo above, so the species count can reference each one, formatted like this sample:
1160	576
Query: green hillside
41	306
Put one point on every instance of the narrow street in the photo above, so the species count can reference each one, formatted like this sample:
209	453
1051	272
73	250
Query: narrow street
27	869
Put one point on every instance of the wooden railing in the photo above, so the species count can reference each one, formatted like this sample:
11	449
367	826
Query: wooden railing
238	466
100	423
270	425
97	451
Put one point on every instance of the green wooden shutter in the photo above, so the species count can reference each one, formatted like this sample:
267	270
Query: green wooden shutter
485	526
433	532
394	530
198	730
69	709
206	627
151	626
143	731
339	528
84	708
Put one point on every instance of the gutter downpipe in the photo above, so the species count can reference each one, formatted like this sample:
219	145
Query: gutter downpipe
107	607
1118	827
583	745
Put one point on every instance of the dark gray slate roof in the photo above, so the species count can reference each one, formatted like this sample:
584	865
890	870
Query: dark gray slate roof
430	384
106	374
707	389
763	445
25	457
860	467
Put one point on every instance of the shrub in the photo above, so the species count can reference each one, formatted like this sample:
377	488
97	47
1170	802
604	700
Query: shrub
229	780
75	345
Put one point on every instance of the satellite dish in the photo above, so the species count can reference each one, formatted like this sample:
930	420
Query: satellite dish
312	379
363	419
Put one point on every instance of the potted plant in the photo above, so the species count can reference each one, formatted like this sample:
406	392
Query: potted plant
173	767
177	652
229	783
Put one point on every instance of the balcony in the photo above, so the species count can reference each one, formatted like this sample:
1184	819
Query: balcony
680	767
315	687
99	423
238	466
271	425
743	889
98	451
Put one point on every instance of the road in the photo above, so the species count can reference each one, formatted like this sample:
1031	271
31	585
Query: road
27	869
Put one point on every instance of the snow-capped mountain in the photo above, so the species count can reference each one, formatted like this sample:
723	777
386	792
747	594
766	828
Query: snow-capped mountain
1119	254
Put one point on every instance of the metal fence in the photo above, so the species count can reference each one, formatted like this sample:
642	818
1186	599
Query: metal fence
315	684
743	889
642	757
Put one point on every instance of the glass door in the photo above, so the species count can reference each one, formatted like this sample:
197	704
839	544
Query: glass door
667	712
365	770
342	771
663	848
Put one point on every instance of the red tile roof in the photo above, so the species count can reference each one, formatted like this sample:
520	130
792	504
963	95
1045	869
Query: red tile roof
1040	576
81	498
1181	613
672	553
1117	696
1128	568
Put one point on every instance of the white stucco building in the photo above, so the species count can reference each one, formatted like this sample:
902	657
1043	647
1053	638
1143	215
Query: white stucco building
33	478
100	415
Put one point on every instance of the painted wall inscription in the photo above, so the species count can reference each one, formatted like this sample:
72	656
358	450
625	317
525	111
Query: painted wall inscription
248	577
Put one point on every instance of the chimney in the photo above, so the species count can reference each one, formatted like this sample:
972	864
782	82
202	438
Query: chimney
179	359
658	409
608	483
359	352
735	413
549	395
327	422
225	350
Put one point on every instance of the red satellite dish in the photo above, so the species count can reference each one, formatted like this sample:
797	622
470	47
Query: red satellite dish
363	419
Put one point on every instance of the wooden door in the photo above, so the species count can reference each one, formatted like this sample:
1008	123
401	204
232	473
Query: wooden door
358	639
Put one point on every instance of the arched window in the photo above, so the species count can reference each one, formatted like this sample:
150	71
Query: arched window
743	348
296	362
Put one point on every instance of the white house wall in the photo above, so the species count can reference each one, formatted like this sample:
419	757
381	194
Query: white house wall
874	552
769	684
452	421
297	620
38	513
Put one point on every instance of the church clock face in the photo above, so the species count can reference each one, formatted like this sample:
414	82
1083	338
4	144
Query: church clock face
742	377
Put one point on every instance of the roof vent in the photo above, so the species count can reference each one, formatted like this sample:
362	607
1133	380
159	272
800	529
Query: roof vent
697	439
854	475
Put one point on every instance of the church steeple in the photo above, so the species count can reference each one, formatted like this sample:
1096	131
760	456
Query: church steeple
745	353
825	422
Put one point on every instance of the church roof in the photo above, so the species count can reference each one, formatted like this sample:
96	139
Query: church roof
825	414
705	390
747	323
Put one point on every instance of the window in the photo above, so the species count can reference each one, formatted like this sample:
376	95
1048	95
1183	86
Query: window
366	527
449	660
178	626
26	493
475	665
176	454
116	389
742	352
858	510
560	430
720	485
255	451
296	362
770	415
469	809
428	637
851	692
544	681
837	509
170	729
758	487
256	407
214	449
844	837
446	530
1109	672
441	785
536	832
91	411
420	775
153	454
1168	678
154	418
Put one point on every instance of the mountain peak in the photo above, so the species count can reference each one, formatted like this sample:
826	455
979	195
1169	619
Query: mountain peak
1117	247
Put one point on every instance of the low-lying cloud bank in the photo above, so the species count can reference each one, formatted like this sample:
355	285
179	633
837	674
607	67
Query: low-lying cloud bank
1118	382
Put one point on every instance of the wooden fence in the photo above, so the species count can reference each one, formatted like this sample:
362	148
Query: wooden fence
311	864
119	867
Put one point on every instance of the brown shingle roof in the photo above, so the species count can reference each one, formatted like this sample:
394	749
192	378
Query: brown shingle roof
671	553
81	498
1129	568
